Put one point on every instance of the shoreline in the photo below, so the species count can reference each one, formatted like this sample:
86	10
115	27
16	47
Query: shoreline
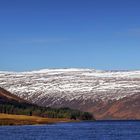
11	120
21	120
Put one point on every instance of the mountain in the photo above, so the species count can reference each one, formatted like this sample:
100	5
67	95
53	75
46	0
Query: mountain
7	97
16	111
107	94
11	104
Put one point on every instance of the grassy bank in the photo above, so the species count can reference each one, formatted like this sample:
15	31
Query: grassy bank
7	119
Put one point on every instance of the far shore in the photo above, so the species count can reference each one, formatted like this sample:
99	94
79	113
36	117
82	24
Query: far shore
8	119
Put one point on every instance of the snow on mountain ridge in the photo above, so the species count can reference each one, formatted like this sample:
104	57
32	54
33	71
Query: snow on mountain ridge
71	84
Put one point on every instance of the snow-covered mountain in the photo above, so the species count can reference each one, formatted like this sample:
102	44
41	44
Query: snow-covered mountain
76	88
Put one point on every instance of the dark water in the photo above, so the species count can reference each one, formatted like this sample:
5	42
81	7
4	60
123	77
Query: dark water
104	130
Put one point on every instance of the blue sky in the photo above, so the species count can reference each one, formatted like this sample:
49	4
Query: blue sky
100	34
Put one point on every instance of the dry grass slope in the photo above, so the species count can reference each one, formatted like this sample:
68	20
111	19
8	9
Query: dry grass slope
8	119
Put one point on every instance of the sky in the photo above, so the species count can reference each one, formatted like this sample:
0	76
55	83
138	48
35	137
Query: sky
98	34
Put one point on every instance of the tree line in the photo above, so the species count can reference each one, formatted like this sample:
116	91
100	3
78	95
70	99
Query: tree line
17	108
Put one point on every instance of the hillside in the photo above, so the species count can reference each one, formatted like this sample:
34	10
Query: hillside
7	97
104	93
11	104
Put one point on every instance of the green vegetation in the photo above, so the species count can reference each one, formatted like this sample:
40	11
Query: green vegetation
17	108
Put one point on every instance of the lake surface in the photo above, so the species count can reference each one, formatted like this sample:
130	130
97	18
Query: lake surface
100	130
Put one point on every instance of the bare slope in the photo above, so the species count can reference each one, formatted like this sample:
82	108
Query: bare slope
7	97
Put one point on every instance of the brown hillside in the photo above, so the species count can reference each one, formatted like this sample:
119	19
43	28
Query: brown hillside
125	108
6	95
